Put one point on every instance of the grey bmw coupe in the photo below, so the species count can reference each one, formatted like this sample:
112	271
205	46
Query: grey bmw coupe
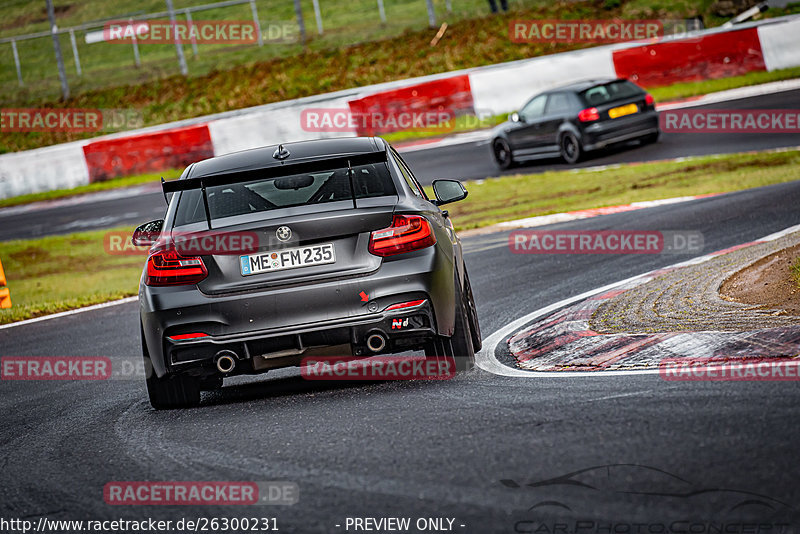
270	255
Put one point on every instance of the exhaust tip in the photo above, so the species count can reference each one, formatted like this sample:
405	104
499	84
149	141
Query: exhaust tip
225	361
376	342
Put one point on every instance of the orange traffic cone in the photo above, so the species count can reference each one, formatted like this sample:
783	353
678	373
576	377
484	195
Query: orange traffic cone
5	296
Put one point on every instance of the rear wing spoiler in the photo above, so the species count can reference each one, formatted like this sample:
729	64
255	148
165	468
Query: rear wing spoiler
277	171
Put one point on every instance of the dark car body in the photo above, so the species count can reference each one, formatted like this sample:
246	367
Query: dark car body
334	202
574	119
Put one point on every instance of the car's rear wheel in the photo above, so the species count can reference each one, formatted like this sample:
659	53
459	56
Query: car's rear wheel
460	345
502	153
472	314
178	391
649	139
570	147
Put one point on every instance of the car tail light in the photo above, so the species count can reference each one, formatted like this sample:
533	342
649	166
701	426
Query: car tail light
589	114
193	335
649	100
407	233
168	268
403	305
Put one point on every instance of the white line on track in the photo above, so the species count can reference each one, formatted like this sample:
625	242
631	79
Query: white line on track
486	360
70	312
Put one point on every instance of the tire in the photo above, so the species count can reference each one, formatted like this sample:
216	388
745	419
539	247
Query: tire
649	139
459	346
570	148
502	153
472	314
173	392
178	391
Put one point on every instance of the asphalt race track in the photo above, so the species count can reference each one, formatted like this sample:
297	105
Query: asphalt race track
466	161
481	449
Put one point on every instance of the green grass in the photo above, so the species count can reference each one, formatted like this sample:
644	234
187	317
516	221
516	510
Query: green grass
58	273
796	272
115	183
525	195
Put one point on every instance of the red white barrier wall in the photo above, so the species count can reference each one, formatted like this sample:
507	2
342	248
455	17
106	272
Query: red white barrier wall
495	89
780	44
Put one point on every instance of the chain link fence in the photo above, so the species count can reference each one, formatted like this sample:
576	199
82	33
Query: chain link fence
29	71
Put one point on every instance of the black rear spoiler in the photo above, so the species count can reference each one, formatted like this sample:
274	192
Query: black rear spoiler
250	175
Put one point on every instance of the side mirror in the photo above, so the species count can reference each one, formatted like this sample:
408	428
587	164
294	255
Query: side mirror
514	117
448	191
147	234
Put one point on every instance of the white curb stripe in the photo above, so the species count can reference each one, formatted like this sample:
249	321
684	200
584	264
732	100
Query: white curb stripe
70	312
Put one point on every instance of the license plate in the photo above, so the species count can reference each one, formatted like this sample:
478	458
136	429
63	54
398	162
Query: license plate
621	111
287	258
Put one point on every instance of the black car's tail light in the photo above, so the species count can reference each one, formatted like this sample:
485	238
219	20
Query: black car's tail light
168	268
407	233
588	115
649	100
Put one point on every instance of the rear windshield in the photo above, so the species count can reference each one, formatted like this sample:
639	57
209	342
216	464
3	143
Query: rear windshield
371	180
610	92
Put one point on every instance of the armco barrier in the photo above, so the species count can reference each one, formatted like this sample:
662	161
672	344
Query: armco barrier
152	152
717	55
451	95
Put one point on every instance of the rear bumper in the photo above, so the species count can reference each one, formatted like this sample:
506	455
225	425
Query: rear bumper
277	327
605	133
400	330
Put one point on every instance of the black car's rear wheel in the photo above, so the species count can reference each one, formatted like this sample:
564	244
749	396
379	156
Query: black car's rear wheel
570	146
178	391
502	153
650	138
472	314
460	345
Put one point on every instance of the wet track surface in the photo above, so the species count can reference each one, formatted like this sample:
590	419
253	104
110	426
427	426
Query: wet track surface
467	161
466	448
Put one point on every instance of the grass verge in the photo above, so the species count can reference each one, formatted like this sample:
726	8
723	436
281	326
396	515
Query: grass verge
525	195
50	274
796	272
